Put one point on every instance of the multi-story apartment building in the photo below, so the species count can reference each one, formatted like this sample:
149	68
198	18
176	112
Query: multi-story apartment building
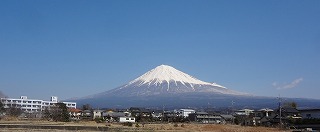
33	105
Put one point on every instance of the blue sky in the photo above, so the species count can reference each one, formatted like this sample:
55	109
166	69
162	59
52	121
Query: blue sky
78	48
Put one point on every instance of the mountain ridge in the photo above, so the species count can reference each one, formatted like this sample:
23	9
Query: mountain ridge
165	79
167	86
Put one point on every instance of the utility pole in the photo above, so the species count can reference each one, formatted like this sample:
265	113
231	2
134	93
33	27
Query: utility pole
232	112
280	110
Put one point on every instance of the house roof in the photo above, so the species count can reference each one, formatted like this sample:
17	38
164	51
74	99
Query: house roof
306	110
202	113
227	116
74	110
114	114
265	109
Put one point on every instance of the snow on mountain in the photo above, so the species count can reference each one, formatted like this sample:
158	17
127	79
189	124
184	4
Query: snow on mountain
167	73
165	79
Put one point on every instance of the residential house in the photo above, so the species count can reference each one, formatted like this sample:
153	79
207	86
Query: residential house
245	112
141	114
112	116
97	114
74	113
228	118
87	115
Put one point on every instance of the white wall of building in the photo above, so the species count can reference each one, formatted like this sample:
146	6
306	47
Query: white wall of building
186	112
127	119
33	105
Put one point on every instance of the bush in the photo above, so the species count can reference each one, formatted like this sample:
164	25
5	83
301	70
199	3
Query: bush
127	124
182	125
99	120
175	125
137	125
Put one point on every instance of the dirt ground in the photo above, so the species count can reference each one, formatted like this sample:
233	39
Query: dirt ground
168	127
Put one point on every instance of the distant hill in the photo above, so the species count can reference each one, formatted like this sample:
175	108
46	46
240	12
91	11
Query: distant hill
165	86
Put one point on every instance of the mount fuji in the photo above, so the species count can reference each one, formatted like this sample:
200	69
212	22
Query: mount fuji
165	79
167	86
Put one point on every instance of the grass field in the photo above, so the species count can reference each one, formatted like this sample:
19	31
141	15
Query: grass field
167	127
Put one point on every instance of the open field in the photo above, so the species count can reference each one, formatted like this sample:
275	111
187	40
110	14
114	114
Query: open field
34	126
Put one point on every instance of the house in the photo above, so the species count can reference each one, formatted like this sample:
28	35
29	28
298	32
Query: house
127	119
290	112
310	113
205	117
263	112
245	112
74	113
112	116
249	117
86	114
97	114
141	114
228	118
157	115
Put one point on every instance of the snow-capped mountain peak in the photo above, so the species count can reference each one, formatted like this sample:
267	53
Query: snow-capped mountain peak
165	73
166	80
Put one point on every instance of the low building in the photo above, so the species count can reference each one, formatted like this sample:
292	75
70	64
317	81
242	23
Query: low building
112	116
33	105
244	112
87	115
185	112
310	113
204	117
74	113
97	114
127	119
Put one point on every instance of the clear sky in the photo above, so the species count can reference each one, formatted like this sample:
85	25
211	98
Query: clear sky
74	48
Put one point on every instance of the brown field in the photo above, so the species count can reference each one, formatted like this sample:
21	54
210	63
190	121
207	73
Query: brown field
168	127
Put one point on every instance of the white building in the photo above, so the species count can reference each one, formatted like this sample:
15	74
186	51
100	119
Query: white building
244	112
33	105
97	113
185	112
127	119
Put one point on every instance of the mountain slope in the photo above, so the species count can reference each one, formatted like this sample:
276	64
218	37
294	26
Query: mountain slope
165	79
169	87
